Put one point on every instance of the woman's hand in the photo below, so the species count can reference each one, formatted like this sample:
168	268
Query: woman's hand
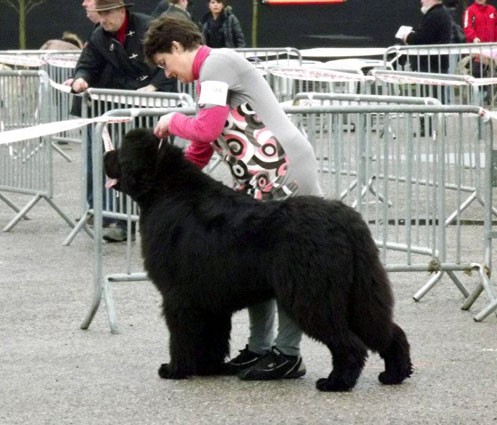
162	128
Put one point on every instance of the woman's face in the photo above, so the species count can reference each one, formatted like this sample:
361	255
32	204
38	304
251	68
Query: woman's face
216	7
177	64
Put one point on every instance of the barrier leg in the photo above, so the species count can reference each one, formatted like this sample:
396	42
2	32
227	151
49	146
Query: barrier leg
60	212
472	297
97	297
22	213
102	291
79	225
428	286
461	208
458	283
486	311
109	305
12	205
61	152
486	286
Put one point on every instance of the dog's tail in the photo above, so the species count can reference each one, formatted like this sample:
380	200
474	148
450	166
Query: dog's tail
371	302
371	311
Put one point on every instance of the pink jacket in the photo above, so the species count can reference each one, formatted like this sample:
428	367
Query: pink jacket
202	129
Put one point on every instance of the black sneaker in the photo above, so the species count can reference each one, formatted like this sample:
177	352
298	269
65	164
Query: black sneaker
245	359
274	365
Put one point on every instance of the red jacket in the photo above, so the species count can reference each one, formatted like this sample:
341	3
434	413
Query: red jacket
480	21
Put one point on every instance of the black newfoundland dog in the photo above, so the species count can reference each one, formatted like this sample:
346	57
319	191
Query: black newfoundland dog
212	251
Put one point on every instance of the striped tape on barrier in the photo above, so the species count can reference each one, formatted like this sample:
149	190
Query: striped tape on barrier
317	74
48	129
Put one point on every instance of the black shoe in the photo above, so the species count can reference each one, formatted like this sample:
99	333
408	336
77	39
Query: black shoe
274	365
245	359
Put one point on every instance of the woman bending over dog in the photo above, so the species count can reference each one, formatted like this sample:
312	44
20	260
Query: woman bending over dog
239	117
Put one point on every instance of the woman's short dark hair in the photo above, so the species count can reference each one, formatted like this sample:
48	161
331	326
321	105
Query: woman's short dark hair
163	31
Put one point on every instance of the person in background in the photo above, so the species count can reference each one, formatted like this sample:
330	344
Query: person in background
458	35
89	6
161	7
178	8
76	110
69	41
113	58
435	28
480	26
480	22
269	158
220	27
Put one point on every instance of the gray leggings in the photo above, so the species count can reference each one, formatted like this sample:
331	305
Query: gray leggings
261	339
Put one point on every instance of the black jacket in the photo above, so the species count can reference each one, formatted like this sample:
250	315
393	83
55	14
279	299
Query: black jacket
177	12
159	9
226	31
108	64
435	28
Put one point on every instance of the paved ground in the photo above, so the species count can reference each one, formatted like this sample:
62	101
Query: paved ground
52	372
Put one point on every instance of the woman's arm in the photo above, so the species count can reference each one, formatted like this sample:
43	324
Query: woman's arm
200	130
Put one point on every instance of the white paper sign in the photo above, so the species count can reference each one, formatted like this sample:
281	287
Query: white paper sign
403	31
213	93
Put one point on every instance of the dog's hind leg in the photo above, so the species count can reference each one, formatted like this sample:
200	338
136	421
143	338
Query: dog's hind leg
349	356
397	359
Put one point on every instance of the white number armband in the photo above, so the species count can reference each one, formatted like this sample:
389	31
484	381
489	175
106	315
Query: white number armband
213	93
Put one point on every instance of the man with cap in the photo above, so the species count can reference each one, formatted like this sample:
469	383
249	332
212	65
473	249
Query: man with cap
118	42
113	58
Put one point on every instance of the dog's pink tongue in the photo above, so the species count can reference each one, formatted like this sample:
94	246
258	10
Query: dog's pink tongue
110	183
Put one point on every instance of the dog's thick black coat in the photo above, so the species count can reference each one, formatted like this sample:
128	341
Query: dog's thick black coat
212	251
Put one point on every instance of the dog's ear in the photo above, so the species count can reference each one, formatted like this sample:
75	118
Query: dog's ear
111	164
137	159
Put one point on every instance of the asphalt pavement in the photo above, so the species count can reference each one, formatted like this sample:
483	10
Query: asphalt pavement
52	372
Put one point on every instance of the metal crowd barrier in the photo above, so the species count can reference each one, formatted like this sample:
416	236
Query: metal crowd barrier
95	103
447	88
472	59
22	59
406	187
25	167
288	81
60	68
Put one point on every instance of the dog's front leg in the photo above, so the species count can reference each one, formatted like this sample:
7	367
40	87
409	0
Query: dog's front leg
182	324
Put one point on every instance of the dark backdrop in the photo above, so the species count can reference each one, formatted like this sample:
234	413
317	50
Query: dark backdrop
356	23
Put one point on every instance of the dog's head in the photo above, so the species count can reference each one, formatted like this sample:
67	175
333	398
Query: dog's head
133	166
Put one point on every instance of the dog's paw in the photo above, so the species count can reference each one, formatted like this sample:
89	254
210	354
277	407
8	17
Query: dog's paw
332	384
167	372
389	378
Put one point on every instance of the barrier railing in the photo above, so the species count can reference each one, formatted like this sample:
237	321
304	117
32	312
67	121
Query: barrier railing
472	59
288	81
408	207
60	68
22	59
447	88
26	166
